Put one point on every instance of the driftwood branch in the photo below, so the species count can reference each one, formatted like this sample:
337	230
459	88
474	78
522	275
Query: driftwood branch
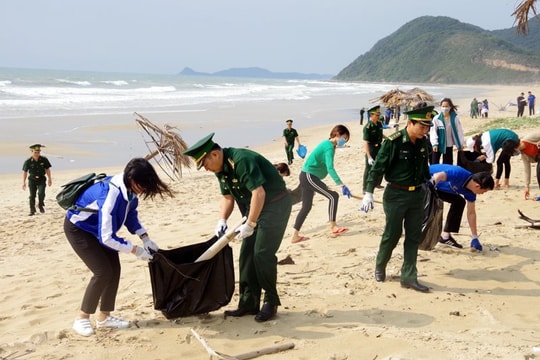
244	356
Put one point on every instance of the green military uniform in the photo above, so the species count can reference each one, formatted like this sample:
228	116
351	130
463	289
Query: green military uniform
290	136
373	134
244	171
405	167
37	180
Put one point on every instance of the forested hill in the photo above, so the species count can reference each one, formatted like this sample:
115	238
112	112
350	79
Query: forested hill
444	50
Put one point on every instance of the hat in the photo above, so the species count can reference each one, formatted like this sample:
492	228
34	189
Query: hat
36	147
422	115
374	110
289	121
200	149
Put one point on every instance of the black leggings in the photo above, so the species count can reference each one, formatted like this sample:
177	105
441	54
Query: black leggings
104	264
503	161
311	184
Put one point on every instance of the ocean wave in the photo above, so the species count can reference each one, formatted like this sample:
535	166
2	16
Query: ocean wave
5	82
115	82
81	83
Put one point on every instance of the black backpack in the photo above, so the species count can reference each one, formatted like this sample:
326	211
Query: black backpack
72	190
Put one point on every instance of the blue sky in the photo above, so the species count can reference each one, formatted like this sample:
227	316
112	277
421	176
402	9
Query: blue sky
164	36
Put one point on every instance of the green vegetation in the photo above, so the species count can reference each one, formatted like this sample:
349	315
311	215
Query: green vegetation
443	50
514	123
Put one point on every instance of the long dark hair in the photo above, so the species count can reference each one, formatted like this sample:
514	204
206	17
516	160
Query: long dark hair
510	146
453	108
141	172
477	147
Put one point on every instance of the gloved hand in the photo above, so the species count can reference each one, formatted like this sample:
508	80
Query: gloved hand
370	161
149	244
244	231
142	254
475	244
221	228
367	202
346	191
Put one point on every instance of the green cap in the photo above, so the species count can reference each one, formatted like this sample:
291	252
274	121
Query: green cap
422	115
289	121
375	110
36	147
200	149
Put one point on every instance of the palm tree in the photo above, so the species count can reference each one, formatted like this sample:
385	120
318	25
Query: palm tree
521	15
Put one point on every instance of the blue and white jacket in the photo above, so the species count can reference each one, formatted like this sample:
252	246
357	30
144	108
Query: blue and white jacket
115	206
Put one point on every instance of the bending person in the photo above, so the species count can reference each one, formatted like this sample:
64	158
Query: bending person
458	186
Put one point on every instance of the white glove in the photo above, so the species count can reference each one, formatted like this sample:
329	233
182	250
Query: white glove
149	244
244	231
142	254
221	228
367	202
370	161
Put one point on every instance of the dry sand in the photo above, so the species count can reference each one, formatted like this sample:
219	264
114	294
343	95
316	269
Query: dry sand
481	305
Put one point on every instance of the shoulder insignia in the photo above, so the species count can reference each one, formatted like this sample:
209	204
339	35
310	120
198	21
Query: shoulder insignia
231	162
395	136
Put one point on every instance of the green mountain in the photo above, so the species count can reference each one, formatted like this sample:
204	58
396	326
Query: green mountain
444	50
530	41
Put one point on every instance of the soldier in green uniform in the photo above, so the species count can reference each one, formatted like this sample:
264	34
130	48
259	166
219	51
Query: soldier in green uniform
403	160
34	169
372	136
251	180
290	135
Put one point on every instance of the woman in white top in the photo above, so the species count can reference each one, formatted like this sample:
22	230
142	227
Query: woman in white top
446	133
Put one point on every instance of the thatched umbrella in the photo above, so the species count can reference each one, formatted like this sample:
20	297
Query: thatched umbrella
397	97
521	15
166	147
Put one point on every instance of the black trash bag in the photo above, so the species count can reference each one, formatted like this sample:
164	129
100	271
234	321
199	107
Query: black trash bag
467	160
182	287
433	215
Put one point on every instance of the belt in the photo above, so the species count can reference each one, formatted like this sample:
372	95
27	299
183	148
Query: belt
405	188
374	145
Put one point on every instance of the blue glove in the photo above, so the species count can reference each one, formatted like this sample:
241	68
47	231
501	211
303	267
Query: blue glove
346	191
475	244
367	202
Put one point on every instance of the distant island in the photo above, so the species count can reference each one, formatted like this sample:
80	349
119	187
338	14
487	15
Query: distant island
256	72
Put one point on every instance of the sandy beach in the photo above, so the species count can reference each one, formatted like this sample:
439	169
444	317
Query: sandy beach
482	305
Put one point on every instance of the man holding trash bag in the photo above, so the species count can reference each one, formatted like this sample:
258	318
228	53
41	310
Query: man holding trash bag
290	135
252	181
403	161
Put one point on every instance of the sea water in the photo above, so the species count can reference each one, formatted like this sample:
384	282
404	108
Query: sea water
91	115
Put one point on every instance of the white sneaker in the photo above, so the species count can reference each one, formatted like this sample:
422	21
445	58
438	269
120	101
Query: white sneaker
83	327
112	322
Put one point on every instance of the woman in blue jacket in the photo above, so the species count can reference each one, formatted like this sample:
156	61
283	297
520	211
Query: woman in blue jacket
92	232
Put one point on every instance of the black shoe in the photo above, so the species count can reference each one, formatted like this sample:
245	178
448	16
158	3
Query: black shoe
414	285
41	209
267	312
380	274
450	242
32	213
240	312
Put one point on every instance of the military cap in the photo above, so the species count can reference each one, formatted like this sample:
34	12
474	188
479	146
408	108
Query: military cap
423	115
374	110
200	149
289	121
36	147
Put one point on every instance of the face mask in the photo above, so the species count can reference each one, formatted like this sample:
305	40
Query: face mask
445	110
341	142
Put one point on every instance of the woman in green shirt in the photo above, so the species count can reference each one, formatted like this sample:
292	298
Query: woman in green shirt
319	164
